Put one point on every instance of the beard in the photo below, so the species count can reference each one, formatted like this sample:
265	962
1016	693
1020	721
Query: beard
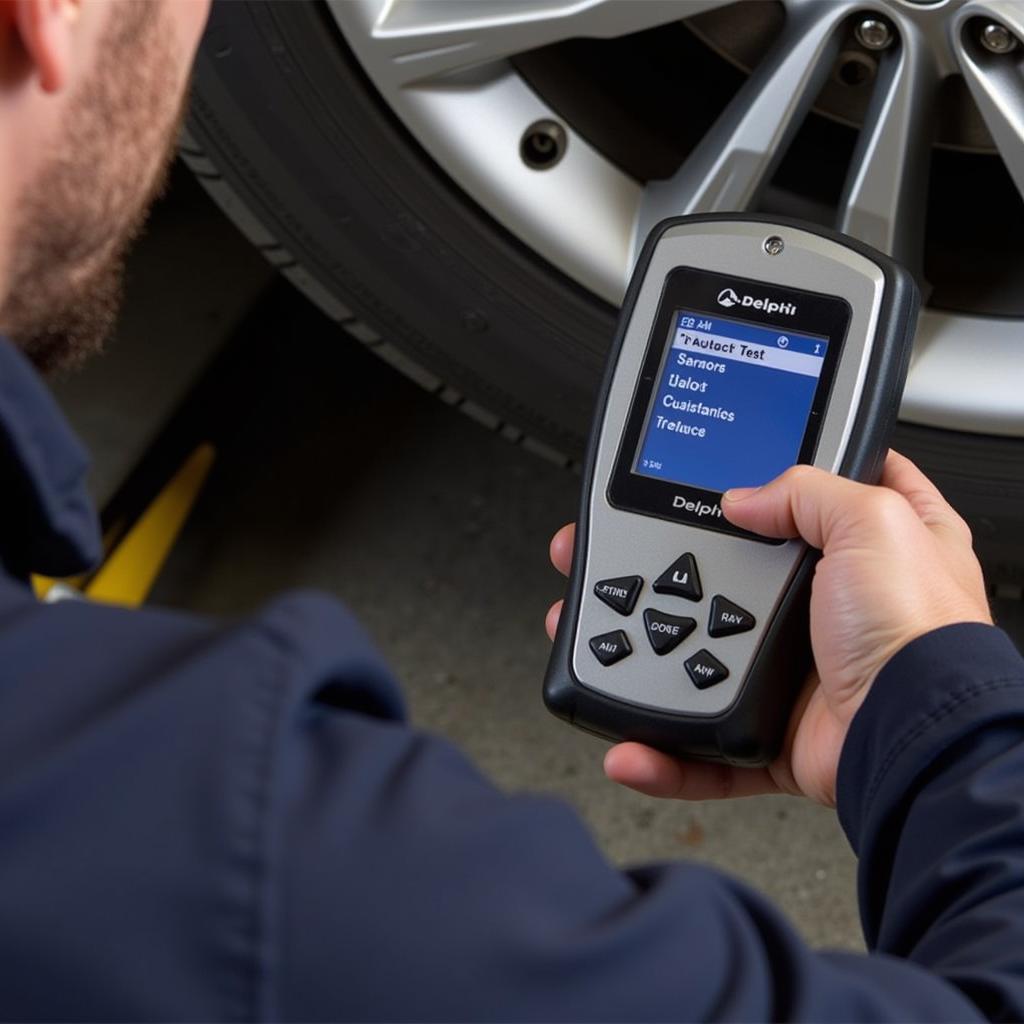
78	216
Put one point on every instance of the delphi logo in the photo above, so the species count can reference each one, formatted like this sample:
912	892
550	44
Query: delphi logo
700	508
727	297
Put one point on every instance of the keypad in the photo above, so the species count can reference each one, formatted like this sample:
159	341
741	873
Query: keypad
666	629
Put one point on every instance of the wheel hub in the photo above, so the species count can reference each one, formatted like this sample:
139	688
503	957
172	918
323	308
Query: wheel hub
813	122
743	32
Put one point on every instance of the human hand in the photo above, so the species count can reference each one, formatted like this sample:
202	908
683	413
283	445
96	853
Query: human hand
896	563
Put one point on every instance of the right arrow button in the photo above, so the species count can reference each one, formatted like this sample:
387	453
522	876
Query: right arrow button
728	618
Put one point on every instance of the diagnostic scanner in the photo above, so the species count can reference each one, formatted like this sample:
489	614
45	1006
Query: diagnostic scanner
745	345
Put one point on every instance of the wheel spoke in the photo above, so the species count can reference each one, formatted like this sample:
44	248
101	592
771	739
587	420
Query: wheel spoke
419	40
996	81
885	194
733	162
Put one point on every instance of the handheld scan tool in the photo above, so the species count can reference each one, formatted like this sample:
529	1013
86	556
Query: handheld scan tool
745	344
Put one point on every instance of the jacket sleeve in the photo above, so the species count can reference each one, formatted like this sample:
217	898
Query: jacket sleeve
931	794
405	887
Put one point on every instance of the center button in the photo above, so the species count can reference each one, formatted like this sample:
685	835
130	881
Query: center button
666	632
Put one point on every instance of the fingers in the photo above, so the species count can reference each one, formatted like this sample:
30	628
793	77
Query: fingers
813	504
561	548
551	619
804	502
561	559
902	476
656	774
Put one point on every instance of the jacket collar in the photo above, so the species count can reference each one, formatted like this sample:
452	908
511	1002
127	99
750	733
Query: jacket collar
47	521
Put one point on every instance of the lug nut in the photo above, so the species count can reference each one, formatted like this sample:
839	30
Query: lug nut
997	38
874	33
542	145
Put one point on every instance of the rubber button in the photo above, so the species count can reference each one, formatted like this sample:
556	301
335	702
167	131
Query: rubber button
705	669
680	579
728	618
610	647
666	632
620	593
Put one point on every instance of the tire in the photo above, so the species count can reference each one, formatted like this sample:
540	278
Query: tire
293	141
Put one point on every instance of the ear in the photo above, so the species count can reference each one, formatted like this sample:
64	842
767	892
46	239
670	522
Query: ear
47	33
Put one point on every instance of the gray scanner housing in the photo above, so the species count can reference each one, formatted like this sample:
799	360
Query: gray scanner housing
612	542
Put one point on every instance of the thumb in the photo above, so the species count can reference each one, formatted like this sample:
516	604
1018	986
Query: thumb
803	502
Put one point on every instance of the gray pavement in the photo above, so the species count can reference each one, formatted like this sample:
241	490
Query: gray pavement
346	477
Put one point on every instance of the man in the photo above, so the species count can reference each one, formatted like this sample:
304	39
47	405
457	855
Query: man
203	823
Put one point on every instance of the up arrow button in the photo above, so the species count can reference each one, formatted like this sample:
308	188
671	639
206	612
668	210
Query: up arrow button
680	579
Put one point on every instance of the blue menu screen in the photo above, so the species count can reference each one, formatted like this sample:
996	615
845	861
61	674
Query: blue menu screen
732	403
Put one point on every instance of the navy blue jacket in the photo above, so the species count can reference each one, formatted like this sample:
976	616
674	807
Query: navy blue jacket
233	822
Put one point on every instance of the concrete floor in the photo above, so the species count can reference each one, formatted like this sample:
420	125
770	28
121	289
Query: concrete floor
344	476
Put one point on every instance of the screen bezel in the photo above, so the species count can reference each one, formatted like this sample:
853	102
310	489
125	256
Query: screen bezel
687	288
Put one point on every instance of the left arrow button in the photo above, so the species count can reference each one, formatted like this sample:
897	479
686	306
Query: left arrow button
620	593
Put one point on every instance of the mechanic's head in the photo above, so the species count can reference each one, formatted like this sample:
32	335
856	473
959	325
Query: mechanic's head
92	93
